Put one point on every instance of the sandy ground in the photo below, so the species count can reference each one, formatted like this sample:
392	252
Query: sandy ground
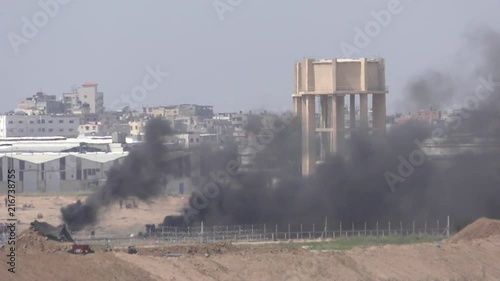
113	218
462	261
472	254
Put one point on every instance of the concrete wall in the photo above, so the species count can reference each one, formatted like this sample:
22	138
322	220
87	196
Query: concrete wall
340	75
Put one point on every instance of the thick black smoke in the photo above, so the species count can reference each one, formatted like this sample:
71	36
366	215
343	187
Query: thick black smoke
140	175
355	188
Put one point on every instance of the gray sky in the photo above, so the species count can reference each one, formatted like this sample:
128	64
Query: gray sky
236	59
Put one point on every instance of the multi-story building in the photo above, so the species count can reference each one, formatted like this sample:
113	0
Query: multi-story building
40	104
431	116
91	128
202	111
85	99
183	110
137	127
38	125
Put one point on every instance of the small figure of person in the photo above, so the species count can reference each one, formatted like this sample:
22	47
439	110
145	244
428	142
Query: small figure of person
121	203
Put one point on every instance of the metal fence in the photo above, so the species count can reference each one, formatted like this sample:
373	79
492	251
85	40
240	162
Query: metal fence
260	233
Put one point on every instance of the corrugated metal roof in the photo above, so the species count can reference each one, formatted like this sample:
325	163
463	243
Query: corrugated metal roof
101	157
37	158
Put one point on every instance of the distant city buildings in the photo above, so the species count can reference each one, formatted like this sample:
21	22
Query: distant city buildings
40	104
85	99
431	116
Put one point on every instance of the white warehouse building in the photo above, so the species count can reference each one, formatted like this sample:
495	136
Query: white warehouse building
72	171
38	126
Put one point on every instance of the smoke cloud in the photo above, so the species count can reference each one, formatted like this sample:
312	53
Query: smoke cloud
353	189
140	175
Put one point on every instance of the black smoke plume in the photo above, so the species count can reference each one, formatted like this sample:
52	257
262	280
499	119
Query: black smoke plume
140	175
355	189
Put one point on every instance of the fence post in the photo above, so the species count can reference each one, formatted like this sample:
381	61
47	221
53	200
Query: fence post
425	227
314	234
252	233
340	229
448	226
352	229
326	227
265	232
365	228
300	231
389	228
276	232
401	227
438	230
413	228
201	232
289	235
377	229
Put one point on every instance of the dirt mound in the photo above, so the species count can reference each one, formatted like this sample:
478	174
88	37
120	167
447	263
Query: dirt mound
30	241
205	249
481	228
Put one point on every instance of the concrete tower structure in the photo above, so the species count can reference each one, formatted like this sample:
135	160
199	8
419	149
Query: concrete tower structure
332	80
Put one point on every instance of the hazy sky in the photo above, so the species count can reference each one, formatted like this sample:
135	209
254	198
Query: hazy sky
238	59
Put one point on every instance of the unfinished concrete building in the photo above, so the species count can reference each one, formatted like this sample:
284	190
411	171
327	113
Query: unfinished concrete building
332	80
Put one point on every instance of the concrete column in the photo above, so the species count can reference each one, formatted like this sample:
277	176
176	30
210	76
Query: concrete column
324	149
363	111
297	106
379	114
352	112
308	135
332	101
340	123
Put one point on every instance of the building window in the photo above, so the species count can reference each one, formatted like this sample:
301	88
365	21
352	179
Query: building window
93	127
32	130
87	128
50	122
71	121
50	130
32	122
71	130
61	130
11	122
84	96
20	121
61	121
43	121
191	140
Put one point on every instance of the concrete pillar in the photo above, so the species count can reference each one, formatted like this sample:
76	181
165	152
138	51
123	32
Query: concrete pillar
332	101
340	123
352	111
308	135
297	106
363	111
324	123
379	114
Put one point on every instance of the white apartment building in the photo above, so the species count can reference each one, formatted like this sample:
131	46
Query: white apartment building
85	99
91	128
38	126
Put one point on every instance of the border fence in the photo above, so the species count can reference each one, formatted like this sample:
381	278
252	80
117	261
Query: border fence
261	233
